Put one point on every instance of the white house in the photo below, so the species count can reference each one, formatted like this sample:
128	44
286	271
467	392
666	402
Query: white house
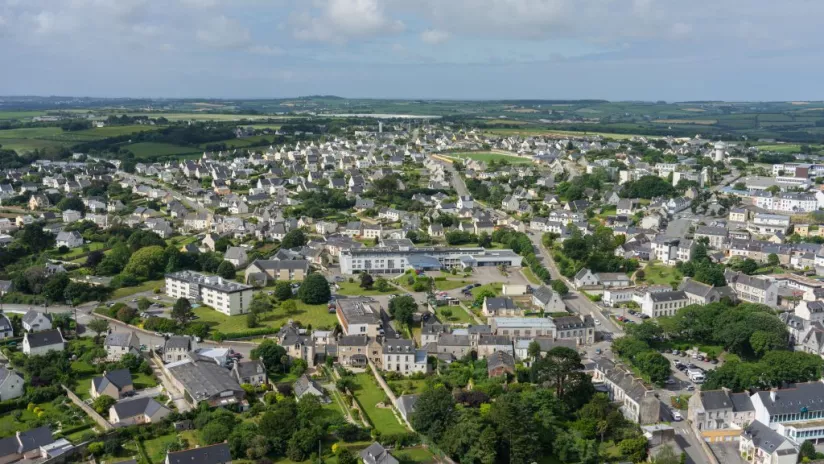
237	256
34	321
40	343
585	278
69	239
6	329
11	384
399	355
118	344
548	300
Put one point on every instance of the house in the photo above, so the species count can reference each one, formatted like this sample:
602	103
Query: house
720	415
177	348
264	271
115	384
40	343
657	304
306	386
377	454
613	279
717	236
26	445
638	403
405	404
71	215
139	411
205	382
71	239
6	329
526	327
500	307
11	385
358	316
701	293
118	344
453	346
544	343
400	355
578	328
761	445
250	373
547	300
213	454
353	350
488	344
585	278
236	256
34	321
500	363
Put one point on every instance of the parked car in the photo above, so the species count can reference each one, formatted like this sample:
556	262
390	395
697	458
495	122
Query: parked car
713	361
676	416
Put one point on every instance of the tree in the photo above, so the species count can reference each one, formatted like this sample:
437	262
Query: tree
534	350
483	295
366	281
433	412
634	449
98	326
93	259
402	308
772	259
484	240
251	320
126	314
74	203
102	403
382	285
747	266
34	238
182	311
289	306
807	451
293	238
144	303
270	353
666	455
314	289
283	291
227	270
260	304
560	288
346	456
146	263
215	432
556	368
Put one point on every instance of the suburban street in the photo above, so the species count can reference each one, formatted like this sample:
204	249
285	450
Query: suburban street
175	194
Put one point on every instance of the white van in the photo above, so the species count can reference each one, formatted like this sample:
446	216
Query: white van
695	375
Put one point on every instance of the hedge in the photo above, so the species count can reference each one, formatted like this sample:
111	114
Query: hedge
245	333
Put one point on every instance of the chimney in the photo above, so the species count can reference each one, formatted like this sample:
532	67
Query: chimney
773	394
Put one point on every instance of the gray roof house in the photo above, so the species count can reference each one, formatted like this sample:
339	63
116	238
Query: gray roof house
377	454
304	385
139	411
406	405
214	454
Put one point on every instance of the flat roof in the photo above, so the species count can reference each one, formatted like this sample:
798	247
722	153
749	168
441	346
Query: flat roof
213	282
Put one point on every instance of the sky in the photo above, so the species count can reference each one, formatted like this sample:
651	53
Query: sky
674	50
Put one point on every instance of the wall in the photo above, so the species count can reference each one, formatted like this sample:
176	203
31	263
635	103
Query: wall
101	421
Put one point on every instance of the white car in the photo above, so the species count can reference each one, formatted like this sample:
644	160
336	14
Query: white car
676	416
597	322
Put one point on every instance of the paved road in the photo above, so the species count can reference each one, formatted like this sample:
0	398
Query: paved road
457	182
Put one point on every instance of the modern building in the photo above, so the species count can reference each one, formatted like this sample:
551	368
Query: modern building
396	260
522	327
761	445
225	296
358	316
795	412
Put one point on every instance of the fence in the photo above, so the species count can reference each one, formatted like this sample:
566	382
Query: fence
101	421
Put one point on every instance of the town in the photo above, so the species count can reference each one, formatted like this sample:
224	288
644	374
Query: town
414	291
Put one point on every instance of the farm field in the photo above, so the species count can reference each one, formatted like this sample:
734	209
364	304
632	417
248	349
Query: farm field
545	131
489	156
146	149
204	116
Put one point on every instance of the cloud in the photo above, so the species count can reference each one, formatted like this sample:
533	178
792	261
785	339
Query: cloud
434	36
340	21
224	32
265	50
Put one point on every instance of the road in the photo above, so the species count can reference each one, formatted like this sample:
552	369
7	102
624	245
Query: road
455	177
175	194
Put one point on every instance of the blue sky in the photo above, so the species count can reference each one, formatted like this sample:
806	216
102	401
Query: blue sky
467	49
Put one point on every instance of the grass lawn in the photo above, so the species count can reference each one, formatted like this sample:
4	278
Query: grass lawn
660	274
369	394
316	315
9	425
489	156
459	316
530	276
142	381
148	286
407	387
84	372
354	289
146	149
418	455
445	285
93	246
496	287
156	447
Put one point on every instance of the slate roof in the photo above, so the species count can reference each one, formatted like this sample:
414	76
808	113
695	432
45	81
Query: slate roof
119	339
494	304
120	378
543	294
377	454
132	408
31	316
668	296
303	384
214	454
790	400
47	338
763	437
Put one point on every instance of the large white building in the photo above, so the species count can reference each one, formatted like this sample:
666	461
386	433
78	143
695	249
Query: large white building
227	297
397	259
399	355
788	202
664	303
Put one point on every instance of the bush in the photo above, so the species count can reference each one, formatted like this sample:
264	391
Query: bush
160	324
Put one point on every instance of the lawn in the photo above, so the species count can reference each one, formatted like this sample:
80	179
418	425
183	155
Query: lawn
156	447
496	287
530	276
489	156
9	425
142	381
354	289
417	455
446	285
459	316
407	387
72	254
148	286
316	315
146	149
369	394
659	274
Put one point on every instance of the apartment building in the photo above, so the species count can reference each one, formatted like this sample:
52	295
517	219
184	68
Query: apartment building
358	316
396	260
720	415
225	296
664	303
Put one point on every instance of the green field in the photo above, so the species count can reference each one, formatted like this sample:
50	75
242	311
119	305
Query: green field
316	315
354	289
147	149
203	116
659	274
489	156
369	394
544	131
445	285
459	316
148	286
